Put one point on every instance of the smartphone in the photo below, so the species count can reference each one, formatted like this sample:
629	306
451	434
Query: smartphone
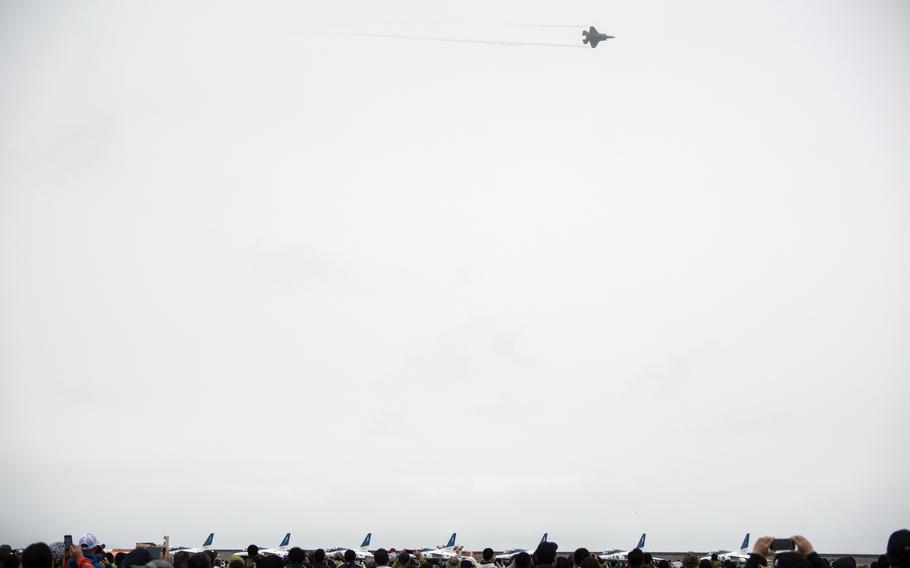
782	545
67	544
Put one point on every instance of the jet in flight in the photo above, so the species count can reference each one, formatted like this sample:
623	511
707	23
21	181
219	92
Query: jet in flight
192	549
594	37
442	554
617	555
739	556
361	551
506	556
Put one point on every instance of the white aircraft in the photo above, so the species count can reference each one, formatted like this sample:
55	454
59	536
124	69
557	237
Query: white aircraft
617	555
739	556
281	550
506	556
192	549
361	551
443	553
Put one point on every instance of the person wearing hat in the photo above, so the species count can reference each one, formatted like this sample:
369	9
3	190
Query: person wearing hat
79	558
89	548
898	555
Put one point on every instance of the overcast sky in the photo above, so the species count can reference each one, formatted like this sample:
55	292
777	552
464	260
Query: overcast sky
259	277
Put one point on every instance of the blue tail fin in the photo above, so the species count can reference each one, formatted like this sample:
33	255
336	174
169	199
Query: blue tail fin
208	540
285	540
543	539
451	542
641	541
745	543
366	540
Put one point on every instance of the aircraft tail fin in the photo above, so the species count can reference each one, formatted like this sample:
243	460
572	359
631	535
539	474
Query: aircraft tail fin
543	539
641	541
451	542
745	543
585	41
366	540
285	541
208	540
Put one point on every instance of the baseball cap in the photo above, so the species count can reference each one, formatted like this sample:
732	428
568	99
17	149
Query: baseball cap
89	540
899	548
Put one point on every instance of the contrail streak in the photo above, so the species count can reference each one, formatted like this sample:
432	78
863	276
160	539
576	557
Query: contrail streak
491	24
509	25
454	40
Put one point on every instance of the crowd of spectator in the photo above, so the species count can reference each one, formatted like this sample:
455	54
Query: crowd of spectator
89	553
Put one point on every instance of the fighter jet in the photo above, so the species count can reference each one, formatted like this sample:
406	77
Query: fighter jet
594	37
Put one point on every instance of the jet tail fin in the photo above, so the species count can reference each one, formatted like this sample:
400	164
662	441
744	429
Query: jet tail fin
585	41
543	539
366	540
285	541
208	540
745	543
641	541
451	542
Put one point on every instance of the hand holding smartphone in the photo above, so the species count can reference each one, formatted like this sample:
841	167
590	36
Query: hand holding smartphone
782	545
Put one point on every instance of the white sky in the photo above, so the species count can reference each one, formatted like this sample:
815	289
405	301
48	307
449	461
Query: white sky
257	278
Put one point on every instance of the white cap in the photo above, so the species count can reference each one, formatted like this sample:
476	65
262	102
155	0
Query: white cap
89	540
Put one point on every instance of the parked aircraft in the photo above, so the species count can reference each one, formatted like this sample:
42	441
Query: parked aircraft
361	551
444	553
192	549
506	556
740	556
617	555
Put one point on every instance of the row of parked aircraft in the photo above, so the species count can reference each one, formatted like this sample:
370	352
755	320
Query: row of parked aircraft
449	550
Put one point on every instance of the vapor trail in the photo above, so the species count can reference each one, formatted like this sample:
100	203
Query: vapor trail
510	25
454	40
